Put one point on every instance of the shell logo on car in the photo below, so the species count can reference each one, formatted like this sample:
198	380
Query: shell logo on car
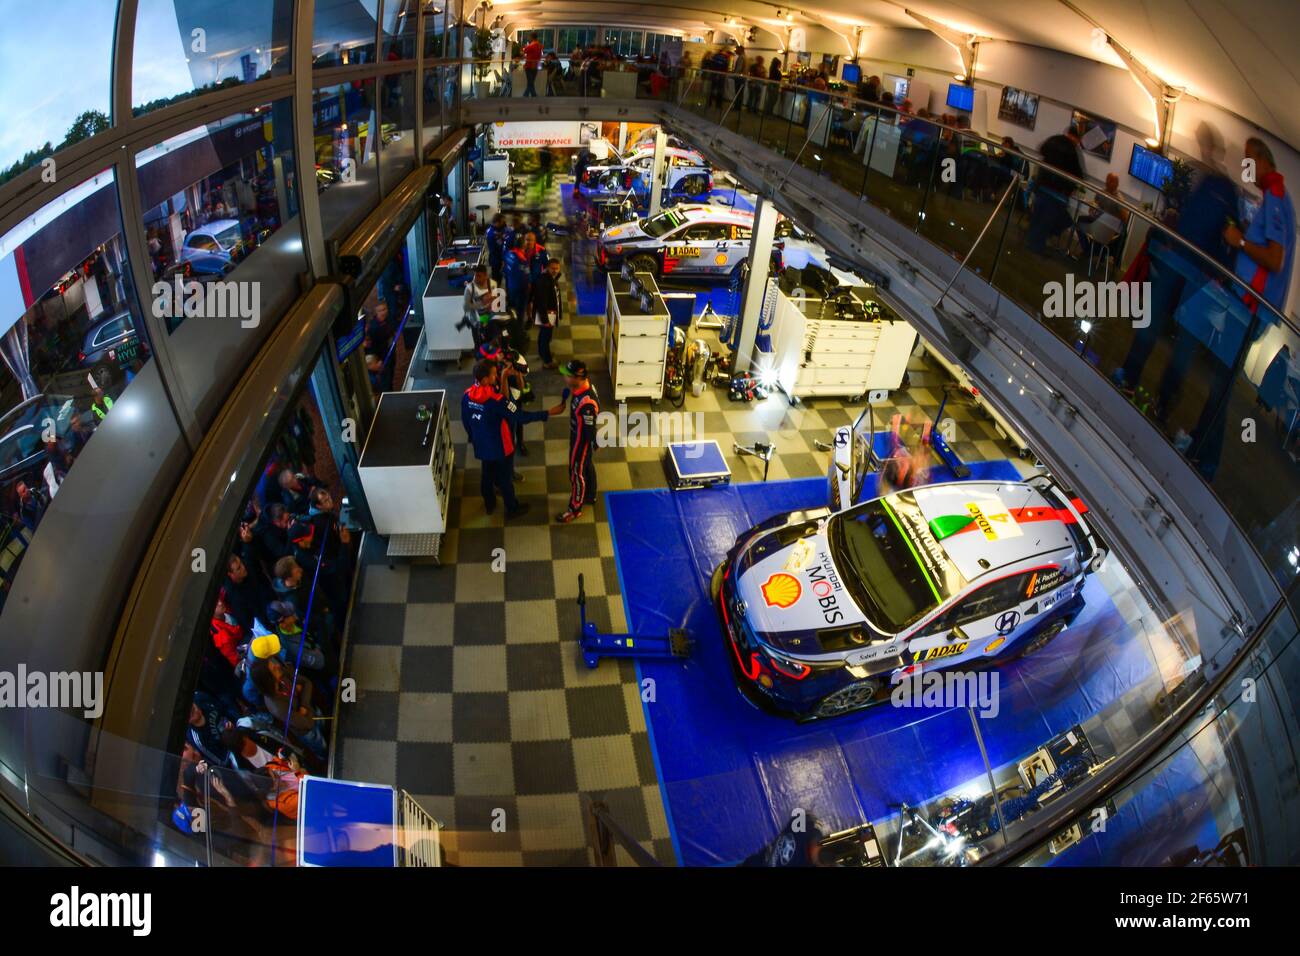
781	590
720	258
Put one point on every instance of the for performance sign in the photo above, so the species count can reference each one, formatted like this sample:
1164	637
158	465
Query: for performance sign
533	135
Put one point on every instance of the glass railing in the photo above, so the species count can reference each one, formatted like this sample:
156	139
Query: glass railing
1199	352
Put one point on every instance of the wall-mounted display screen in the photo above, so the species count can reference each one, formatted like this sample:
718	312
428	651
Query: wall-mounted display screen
1019	107
1096	135
1150	167
852	73
961	97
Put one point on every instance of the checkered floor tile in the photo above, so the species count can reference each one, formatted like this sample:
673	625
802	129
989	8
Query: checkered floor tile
471	694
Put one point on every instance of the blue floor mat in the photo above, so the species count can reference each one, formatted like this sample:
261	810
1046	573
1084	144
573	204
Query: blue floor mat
730	774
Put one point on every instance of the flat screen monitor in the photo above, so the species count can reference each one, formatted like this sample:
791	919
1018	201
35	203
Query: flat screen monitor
852	73
961	97
1150	167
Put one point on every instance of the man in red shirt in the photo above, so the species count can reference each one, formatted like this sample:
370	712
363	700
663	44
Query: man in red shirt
532	60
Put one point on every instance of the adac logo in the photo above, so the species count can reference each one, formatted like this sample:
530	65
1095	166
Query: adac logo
781	590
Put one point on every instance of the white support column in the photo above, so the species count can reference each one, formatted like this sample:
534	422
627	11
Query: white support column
751	296
622	138
657	172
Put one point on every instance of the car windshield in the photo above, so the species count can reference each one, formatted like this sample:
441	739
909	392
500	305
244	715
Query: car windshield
894	575
663	223
228	237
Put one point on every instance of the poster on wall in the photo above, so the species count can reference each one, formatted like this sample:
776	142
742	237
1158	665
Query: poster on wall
1019	107
532	135
587	132
1096	135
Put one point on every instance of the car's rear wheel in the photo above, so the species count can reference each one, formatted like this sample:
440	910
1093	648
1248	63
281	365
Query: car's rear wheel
645	263
1041	639
694	186
847	699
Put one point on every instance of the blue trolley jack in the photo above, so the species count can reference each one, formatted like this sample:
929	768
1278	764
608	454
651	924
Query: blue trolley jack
595	645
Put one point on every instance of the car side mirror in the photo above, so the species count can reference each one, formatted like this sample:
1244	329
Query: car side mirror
957	634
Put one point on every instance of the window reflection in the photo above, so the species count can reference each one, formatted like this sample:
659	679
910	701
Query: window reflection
397	150
343	121
400	21
71	340
343	33
213	195
184	47
55	73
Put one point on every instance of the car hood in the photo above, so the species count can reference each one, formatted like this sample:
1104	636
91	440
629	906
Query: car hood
624	232
792	589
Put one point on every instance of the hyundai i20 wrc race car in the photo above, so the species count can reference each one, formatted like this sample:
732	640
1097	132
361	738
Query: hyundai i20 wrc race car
824	612
686	173
686	240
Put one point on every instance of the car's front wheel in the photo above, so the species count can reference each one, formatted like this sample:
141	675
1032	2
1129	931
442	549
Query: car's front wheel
847	699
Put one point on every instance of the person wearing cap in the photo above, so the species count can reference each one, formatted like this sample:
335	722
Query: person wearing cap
583	410
284	618
489	418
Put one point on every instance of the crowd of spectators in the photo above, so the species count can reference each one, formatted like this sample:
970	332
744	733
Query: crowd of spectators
266	682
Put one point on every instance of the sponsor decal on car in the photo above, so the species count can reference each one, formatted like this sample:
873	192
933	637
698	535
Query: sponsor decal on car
781	590
682	252
825	584
943	650
996	522
720	259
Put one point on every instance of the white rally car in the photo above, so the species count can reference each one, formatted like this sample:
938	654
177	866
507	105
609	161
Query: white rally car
686	172
686	240
697	239
825	611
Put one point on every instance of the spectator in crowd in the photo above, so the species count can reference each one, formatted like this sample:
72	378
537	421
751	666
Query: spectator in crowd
1173	277
554	75
774	75
288	700
757	73
739	69
518	271
495	237
716	65
299	650
243	595
29	504
1105	203
548	309
322	538
206	722
532	53
481	304
379	331
1051	211
375	372
294	488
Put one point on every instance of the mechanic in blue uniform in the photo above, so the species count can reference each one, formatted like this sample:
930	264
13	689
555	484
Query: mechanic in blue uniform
496	245
518	275
489	418
583	409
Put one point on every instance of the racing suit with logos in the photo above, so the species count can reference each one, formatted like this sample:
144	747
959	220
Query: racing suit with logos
583	409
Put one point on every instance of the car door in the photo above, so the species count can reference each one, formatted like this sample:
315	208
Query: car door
691	250
980	624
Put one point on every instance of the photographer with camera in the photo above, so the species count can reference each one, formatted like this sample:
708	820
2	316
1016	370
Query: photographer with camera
483	302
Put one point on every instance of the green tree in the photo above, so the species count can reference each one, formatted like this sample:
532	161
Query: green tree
85	126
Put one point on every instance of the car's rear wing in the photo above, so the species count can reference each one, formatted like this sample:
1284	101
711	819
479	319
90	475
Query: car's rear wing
1092	552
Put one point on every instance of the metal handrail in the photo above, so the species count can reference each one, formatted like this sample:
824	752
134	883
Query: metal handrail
603	832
